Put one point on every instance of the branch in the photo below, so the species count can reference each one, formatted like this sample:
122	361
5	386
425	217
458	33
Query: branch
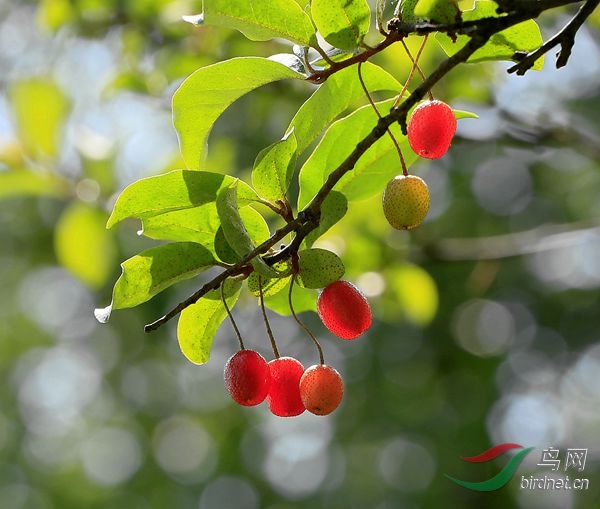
566	39
543	238
308	219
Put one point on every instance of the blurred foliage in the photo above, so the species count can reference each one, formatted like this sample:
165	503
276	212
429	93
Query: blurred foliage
486	318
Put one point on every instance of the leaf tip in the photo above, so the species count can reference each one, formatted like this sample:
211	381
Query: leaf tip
103	314
194	19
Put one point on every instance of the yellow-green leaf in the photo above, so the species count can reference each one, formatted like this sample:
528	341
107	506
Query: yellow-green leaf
199	322
40	108
175	190
84	246
21	182
208	92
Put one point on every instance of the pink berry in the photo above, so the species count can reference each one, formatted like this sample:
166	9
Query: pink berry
344	310
284	394
431	128
321	389
247	377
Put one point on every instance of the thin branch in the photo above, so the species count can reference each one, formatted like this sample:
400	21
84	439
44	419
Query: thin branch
565	38
266	320
308	219
301	324
374	106
234	325
496	247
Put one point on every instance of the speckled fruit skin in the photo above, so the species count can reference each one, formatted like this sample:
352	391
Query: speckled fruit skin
405	201
344	310
247	377
284	394
321	389
431	128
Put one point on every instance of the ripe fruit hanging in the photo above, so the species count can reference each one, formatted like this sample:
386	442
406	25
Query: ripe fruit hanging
247	377
321	389
405	201
431	128
284	394
344	310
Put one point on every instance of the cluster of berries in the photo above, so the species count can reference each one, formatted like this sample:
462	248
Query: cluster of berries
431	128
288	388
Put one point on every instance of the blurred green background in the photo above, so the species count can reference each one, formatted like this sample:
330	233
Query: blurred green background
487	318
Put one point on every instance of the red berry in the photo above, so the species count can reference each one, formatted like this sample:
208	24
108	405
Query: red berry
247	377
321	389
344	310
284	394
431	128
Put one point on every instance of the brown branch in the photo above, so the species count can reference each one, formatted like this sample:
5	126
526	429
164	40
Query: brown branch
307	220
565	38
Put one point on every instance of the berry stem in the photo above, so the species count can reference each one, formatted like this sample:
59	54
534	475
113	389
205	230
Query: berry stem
396	144
235	327
301	324
415	61
264	313
415	66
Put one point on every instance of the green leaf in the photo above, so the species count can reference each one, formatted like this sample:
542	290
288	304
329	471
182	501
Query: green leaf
257	229
269	286
199	322
153	270
318	268
21	182
525	36
197	224
176	190
209	91
334	96
333	208
83	246
438	11
40	108
304	299
372	171
274	167
342	23
464	114
259	20
235	230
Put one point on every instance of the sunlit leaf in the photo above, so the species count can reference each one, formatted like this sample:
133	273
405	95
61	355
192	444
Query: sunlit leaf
372	171
257	229
196	224
274	168
412	294
209	91
335	96
154	270
53	14
437	11
318	268
269	286
40	109
199	322
304	299
235	230
23	182
259	20
525	36
84	246
176	190
333	208
342	23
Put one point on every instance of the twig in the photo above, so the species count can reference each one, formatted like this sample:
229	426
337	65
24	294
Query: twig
566	39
